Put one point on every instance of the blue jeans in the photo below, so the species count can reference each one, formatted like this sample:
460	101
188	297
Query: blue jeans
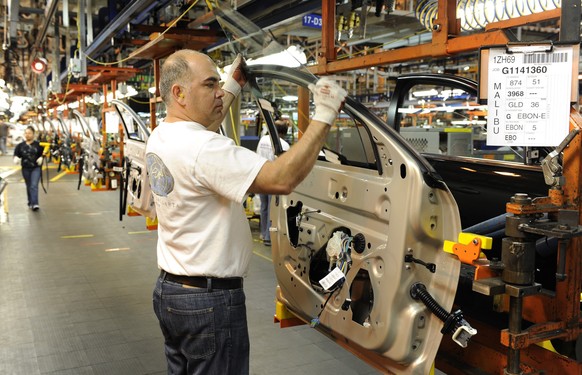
265	218
205	330
31	177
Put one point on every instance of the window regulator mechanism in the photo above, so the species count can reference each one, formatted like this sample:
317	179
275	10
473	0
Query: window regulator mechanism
304	213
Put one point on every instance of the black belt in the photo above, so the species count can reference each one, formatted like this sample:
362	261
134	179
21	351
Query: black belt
204	282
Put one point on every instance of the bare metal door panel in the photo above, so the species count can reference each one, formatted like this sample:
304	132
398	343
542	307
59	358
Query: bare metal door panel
139	194
392	204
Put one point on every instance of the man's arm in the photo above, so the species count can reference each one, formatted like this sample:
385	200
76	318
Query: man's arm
283	174
232	87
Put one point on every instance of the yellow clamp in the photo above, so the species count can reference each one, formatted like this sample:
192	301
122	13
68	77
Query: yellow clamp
469	246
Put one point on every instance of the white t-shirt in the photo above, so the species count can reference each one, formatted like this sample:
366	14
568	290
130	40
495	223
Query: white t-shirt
265	147
199	179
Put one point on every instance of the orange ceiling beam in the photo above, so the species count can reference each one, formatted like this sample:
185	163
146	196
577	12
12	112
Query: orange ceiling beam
445	41
450	47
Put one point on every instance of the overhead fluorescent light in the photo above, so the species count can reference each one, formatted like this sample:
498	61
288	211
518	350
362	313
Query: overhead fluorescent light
290	98
292	57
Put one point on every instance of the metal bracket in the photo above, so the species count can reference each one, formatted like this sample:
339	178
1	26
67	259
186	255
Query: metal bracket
551	164
495	286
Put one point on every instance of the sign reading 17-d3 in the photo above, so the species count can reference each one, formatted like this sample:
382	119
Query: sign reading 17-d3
312	20
529	96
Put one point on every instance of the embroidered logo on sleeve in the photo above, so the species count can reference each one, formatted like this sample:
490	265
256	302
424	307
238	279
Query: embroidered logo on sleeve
161	180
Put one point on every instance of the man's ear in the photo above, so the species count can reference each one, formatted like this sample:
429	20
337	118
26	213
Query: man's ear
178	92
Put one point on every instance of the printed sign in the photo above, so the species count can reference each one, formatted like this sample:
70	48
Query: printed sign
312	20
529	96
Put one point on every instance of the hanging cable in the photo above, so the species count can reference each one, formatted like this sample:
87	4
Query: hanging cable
137	101
315	321
338	250
69	72
66	90
476	14
454	322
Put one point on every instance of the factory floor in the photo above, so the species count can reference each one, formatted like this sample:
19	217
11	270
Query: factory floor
76	287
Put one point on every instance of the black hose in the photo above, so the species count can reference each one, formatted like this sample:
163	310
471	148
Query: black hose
452	321
418	291
495	228
488	226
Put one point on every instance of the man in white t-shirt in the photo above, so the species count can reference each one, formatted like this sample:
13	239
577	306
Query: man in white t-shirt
265	149
199	179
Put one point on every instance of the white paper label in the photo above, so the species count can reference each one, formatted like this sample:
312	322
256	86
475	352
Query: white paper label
335	275
111	122
529	97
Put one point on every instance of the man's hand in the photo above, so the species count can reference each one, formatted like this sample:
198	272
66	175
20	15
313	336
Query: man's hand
39	161
328	97
16	160
236	76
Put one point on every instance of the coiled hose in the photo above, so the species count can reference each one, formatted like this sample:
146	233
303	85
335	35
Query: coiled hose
454	322
476	14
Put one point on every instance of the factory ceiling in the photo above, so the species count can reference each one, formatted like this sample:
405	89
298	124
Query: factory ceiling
123	33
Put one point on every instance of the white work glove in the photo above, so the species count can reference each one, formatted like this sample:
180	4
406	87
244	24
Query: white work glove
16	160
236	77
328	97
39	161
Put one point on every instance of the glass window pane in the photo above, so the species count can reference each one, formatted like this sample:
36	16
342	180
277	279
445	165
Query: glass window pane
449	121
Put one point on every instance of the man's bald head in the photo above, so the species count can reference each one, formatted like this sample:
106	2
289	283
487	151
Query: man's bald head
178	69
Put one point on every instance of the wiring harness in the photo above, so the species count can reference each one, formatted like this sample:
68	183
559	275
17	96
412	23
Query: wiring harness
338	251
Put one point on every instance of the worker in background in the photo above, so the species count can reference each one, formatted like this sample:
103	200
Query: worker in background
3	136
28	154
266	150
199	179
